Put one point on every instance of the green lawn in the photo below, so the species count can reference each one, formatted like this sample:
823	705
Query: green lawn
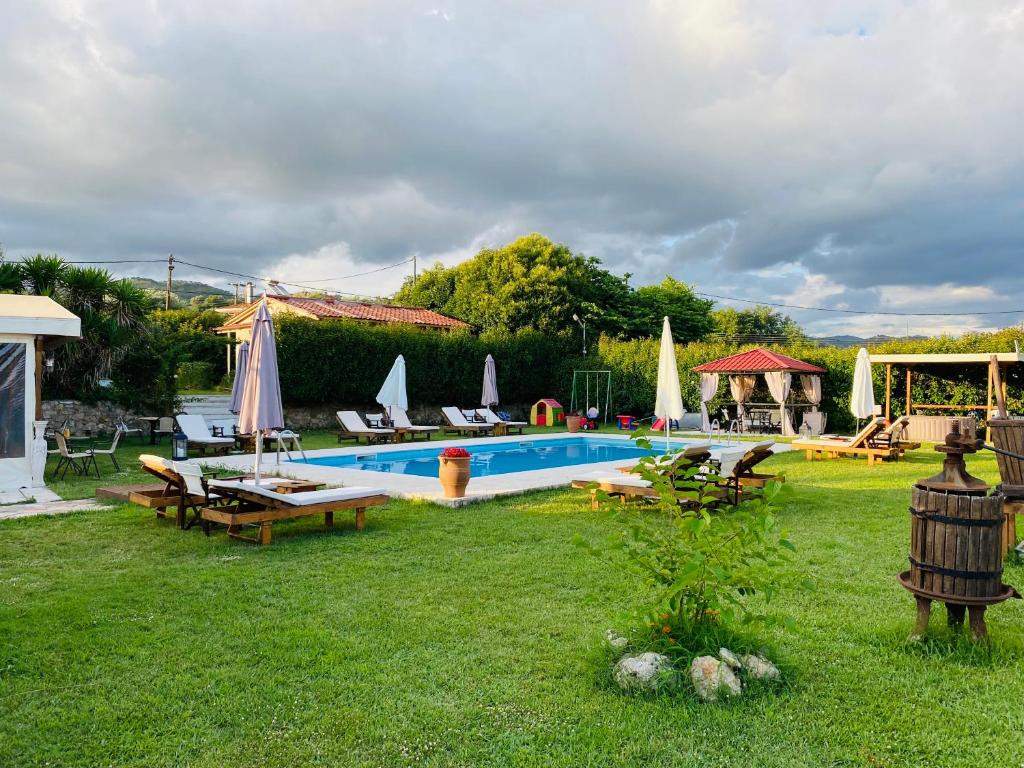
472	637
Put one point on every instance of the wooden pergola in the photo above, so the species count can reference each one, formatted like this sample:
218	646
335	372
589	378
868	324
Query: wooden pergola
997	362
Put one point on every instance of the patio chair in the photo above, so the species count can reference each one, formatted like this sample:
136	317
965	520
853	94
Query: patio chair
459	424
198	434
892	437
78	461
163	427
400	421
122	426
352	426
251	504
858	445
111	451
507	426
815	421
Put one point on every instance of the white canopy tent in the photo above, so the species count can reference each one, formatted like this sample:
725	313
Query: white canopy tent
29	325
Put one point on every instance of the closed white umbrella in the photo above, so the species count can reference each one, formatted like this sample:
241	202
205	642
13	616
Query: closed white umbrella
669	403
393	392
862	398
261	409
489	395
238	387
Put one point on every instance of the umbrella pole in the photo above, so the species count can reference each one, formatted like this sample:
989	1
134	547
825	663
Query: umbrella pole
668	437
259	452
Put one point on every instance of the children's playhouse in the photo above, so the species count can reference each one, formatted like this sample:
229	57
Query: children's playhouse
547	413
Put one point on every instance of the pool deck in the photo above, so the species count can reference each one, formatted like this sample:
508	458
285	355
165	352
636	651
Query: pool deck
429	488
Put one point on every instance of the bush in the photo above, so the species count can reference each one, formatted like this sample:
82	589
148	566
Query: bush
341	361
196	375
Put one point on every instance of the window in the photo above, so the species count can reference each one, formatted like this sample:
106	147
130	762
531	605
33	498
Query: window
12	400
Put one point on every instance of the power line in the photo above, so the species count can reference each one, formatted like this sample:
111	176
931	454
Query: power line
361	274
267	279
859	311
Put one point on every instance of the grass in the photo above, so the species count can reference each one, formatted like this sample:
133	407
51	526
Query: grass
473	637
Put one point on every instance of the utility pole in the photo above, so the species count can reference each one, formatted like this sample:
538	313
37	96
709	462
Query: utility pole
170	271
414	275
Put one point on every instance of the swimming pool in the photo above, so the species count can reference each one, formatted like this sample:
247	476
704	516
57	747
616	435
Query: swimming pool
488	458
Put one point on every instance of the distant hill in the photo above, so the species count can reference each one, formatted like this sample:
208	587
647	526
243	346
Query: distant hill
183	292
860	341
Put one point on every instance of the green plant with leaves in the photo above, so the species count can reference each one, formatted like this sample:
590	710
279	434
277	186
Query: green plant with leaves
712	568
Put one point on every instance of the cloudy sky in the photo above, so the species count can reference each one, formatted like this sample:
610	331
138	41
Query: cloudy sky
864	155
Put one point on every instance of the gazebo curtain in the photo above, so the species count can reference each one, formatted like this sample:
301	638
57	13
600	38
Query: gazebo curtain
811	386
779	384
708	389
741	387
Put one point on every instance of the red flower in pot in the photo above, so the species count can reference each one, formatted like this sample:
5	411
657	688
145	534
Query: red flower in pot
453	472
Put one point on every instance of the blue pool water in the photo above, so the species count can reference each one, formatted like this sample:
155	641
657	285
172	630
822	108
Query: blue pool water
498	458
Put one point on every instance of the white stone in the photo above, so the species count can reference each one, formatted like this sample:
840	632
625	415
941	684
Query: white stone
759	668
713	679
647	672
615	640
729	658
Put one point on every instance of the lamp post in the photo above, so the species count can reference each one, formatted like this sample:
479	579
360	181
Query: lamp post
583	325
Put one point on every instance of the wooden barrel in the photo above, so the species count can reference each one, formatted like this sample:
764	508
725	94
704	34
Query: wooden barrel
1008	434
956	544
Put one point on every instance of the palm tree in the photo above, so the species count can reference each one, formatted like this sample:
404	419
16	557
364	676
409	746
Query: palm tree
41	274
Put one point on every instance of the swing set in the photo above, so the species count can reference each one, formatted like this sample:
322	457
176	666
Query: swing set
592	411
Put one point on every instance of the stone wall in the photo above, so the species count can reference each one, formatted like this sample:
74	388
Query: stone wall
94	418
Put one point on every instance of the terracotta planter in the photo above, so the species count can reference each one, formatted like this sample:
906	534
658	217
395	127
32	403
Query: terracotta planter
573	423
454	476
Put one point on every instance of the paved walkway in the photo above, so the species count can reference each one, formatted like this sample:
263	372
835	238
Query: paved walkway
13	511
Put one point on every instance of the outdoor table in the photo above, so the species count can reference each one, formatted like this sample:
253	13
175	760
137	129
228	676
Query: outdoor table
152	421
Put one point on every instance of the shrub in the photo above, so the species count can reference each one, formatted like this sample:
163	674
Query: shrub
711	568
196	375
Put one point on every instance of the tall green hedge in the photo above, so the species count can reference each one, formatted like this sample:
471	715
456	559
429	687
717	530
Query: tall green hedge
341	361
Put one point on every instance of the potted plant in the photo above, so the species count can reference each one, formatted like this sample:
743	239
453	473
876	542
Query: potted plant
453	471
572	422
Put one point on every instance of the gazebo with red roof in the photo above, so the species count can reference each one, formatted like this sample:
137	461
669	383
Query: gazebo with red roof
778	370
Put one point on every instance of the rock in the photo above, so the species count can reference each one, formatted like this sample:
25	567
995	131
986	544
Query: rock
729	658
759	668
615	640
646	672
713	679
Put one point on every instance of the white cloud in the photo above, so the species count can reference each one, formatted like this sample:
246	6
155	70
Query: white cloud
823	150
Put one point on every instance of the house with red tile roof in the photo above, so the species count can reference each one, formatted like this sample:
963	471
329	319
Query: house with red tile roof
238	324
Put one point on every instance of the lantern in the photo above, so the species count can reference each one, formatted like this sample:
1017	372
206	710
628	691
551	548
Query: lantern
179	446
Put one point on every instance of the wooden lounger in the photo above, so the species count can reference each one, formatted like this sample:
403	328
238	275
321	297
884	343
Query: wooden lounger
858	445
613	486
353	426
253	505
459	424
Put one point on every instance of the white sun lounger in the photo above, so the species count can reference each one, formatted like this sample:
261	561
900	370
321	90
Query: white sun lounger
492	418
352	425
400	419
256	505
457	422
198	434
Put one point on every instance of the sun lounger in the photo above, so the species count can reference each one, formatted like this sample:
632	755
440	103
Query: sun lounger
614	484
499	424
400	421
858	445
174	492
199	436
743	475
353	426
251	504
892	437
459	424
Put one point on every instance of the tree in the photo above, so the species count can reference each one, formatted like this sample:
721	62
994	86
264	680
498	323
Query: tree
688	315
535	284
113	315
760	323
